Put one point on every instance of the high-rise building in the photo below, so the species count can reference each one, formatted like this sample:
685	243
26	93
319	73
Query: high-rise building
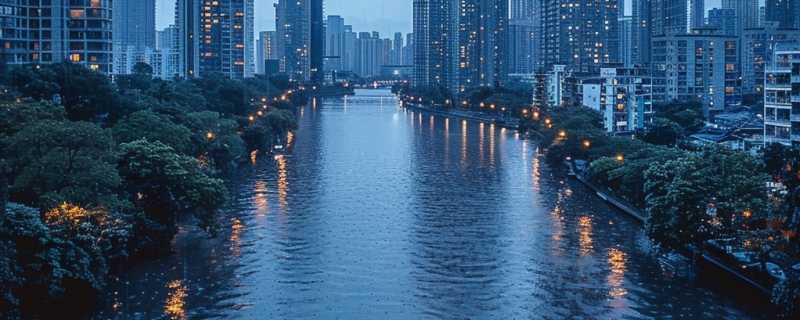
187	20
781	118
301	42
434	37
758	49
523	44
481	30
782	11
641	32
725	21
43	32
397	49
408	50
746	12
370	54
134	23
626	41
676	16
166	57
581	34
226	38
702	66
623	96
265	50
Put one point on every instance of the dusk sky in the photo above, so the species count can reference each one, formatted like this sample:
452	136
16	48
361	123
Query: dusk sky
384	16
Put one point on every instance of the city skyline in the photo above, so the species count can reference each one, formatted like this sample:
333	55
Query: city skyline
356	12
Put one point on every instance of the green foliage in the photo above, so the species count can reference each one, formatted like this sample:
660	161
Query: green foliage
84	93
679	192
688	115
163	183
154	127
225	147
62	258
62	161
663	132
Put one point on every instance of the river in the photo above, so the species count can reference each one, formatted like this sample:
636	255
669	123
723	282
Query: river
383	213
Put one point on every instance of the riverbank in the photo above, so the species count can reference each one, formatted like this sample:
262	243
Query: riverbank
502	122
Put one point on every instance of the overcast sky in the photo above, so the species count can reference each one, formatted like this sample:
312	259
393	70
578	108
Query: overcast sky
384	16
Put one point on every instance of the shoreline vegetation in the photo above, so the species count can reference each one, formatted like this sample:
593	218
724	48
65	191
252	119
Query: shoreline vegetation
94	173
735	209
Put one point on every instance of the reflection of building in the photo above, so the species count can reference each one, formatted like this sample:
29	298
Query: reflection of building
701	66
46	32
623	96
781	97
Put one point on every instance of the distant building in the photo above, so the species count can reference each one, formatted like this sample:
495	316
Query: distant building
44	32
134	27
746	13
758	49
781	119
626	41
460	45
623	96
166	58
725	21
670	17
227	41
301	41
784	12
641	32
702	66
523	37
265	50
187	20
580	34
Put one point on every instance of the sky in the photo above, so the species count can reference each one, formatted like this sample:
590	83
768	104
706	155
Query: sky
384	16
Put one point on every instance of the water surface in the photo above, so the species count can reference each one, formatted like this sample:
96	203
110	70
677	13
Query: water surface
383	213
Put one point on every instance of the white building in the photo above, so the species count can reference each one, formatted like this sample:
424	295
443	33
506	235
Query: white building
623	96
782	97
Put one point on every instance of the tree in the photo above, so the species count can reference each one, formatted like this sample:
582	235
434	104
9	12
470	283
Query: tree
688	115
58	161
224	145
663	132
163	183
680	191
84	93
154	127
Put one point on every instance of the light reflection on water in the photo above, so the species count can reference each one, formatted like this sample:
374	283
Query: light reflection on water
371	217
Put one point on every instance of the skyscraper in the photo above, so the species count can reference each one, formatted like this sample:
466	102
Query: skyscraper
626	41
581	34
782	11
226	38
397	49
641	32
523	44
265	50
42	32
670	17
725	20
482	43
746	12
187	20
134	23
301	42
433	34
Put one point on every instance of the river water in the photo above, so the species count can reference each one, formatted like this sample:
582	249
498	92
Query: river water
383	213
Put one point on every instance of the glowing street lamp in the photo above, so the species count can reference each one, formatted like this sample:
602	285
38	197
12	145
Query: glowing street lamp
587	143
620	157
562	134
210	135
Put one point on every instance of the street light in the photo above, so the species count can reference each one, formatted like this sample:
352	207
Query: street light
562	134
210	135
620	157
587	143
